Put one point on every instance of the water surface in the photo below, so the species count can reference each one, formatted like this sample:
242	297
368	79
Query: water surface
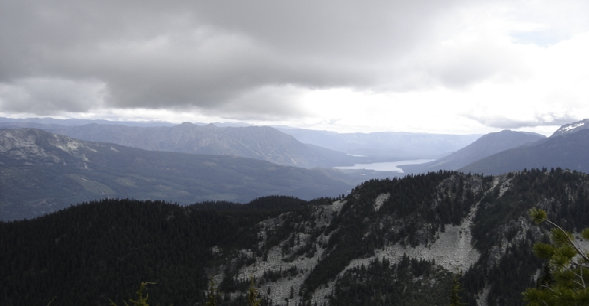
387	166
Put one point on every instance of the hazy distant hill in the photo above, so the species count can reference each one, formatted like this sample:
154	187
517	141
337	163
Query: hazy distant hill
566	148
483	147
42	172
385	146
264	143
45	122
308	148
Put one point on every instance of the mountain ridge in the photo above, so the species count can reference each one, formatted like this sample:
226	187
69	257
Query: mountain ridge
572	128
564	150
260	142
484	146
45	172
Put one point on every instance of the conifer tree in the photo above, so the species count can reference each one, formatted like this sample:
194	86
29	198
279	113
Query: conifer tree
455	299
212	294
142	296
253	298
568	267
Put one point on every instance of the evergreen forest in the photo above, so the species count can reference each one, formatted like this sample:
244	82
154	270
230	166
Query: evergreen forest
327	251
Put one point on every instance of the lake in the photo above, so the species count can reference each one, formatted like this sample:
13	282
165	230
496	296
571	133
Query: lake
387	166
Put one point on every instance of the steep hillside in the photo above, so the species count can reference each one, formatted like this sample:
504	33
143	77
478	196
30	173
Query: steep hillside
43	172
391	242
568	150
483	147
263	143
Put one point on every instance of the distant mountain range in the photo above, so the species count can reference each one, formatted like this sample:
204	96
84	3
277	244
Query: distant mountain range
485	146
259	142
385	146
567	148
45	122
42	172
281	145
492	153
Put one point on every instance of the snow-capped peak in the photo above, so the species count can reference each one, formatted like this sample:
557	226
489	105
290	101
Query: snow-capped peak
572	127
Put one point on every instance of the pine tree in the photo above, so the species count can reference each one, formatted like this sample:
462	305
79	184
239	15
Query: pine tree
212	294
455	299
568	267
253	298
142	296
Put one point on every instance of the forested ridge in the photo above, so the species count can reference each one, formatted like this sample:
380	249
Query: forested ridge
325	251
102	250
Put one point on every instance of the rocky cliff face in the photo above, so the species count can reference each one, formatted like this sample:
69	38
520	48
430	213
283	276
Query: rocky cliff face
369	223
31	146
465	224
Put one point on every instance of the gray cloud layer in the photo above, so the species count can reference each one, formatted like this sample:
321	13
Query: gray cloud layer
220	56
250	59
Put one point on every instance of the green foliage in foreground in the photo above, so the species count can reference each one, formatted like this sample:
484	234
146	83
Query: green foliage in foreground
253	297
142	296
212	294
567	272
455	299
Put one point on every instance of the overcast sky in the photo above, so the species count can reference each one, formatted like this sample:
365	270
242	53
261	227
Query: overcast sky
425	66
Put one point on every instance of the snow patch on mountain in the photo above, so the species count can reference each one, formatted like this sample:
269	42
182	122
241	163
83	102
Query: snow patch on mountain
572	127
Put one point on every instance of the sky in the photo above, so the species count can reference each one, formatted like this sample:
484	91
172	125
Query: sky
455	66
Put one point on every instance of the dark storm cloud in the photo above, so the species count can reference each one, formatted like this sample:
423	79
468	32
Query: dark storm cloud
214	55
